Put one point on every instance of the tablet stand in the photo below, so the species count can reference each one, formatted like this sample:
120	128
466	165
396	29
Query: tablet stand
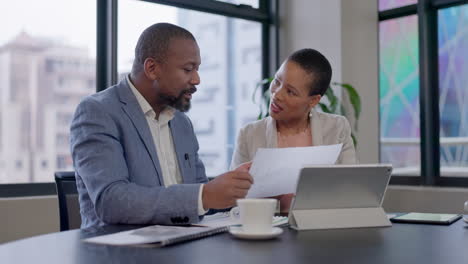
338	218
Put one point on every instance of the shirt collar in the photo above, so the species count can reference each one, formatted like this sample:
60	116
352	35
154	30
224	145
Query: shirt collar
164	117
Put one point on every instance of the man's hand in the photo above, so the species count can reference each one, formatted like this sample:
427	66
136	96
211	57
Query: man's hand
224	190
244	166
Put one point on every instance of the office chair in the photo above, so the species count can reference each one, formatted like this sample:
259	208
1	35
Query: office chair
69	208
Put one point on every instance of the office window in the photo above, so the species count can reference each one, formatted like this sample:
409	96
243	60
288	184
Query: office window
390	4
453	90
252	3
399	95
231	66
47	52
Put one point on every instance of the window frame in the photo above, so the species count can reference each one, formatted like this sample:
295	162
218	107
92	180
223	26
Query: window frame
426	10
106	55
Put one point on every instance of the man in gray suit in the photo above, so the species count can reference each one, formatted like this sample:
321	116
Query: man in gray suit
134	151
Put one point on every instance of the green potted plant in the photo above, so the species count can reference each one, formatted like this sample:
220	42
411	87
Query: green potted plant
349	105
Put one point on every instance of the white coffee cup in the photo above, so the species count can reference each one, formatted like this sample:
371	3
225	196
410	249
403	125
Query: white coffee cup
256	215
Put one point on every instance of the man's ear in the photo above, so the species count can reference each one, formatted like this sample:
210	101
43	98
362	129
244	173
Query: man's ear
315	100
152	69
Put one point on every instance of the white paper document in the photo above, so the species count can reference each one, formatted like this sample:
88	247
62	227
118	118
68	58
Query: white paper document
275	170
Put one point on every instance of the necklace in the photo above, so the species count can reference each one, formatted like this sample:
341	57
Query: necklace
294	131
299	139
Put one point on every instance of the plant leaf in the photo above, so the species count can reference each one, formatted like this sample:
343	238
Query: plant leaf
325	108
260	84
343	110
264	98
354	98
354	139
333	100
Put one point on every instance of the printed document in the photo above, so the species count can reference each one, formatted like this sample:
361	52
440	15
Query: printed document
276	170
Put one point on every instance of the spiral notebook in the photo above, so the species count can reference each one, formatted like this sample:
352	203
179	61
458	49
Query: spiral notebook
157	235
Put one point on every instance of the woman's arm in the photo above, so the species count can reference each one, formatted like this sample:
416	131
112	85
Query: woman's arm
348	152
240	154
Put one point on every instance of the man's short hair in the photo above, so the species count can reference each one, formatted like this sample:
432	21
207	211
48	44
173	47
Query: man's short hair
315	64
154	42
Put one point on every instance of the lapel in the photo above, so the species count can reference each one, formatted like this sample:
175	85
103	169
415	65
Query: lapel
316	128
271	135
132	108
177	139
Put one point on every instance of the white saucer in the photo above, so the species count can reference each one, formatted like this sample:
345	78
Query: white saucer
238	232
465	218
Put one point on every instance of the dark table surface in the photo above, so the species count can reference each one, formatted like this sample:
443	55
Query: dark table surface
401	243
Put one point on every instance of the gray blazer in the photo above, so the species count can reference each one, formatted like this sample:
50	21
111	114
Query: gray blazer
118	175
327	129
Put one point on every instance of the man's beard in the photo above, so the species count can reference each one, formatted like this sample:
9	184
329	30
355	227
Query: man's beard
180	102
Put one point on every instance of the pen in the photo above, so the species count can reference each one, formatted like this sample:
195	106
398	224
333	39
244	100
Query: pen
187	159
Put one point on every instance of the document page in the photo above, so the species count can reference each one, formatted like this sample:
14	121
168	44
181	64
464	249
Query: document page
276	170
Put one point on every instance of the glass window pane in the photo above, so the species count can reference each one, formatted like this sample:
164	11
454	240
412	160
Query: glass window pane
399	95
453	90
231	66
252	3
47	65
390	4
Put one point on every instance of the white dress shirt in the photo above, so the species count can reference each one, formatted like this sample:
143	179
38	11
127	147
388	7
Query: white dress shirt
164	143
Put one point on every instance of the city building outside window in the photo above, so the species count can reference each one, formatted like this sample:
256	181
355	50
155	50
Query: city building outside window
47	63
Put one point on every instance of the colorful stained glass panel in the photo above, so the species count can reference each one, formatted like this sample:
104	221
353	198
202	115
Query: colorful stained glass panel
389	4
453	90
399	95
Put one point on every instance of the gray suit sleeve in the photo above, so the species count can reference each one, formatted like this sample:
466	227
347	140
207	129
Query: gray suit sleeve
99	159
200	168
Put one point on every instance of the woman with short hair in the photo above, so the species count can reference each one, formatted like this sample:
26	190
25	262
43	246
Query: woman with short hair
297	88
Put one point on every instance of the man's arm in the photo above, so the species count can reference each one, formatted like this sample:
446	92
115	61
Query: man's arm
223	191
99	159
200	168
